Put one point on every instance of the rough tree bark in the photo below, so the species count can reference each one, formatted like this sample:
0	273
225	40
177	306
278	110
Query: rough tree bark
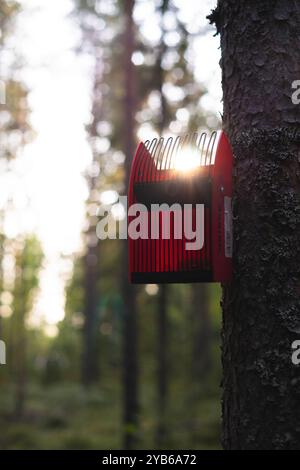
261	307
130	335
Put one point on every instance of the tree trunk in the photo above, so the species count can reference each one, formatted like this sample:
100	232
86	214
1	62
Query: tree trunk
91	337
201	334
130	334
20	346
162	311
21	366
90	365
260	60
162	364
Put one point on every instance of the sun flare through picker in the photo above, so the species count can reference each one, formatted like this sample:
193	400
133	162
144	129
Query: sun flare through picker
181	189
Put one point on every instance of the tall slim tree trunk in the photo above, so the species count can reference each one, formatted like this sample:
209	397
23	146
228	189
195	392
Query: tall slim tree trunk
90	360
260	60
21	367
162	311
2	242
20	348
91	339
201	334
130	334
162	364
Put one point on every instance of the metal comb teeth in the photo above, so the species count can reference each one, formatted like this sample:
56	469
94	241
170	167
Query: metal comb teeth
161	154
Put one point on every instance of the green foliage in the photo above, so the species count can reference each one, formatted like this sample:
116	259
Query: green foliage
67	416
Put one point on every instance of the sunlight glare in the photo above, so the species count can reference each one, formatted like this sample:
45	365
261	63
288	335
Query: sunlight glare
187	160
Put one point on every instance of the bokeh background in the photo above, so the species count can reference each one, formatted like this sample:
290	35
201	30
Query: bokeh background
84	81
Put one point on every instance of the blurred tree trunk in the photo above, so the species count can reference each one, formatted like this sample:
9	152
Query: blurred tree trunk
91	337
27	265
162	364
90	366
130	333
162	312
20	364
20	345
260	60
201	333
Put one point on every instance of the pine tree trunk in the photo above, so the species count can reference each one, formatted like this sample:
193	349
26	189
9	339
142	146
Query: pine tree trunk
162	364
260	60
21	367
162	311
130	334
90	362
201	334
91	337
20	370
